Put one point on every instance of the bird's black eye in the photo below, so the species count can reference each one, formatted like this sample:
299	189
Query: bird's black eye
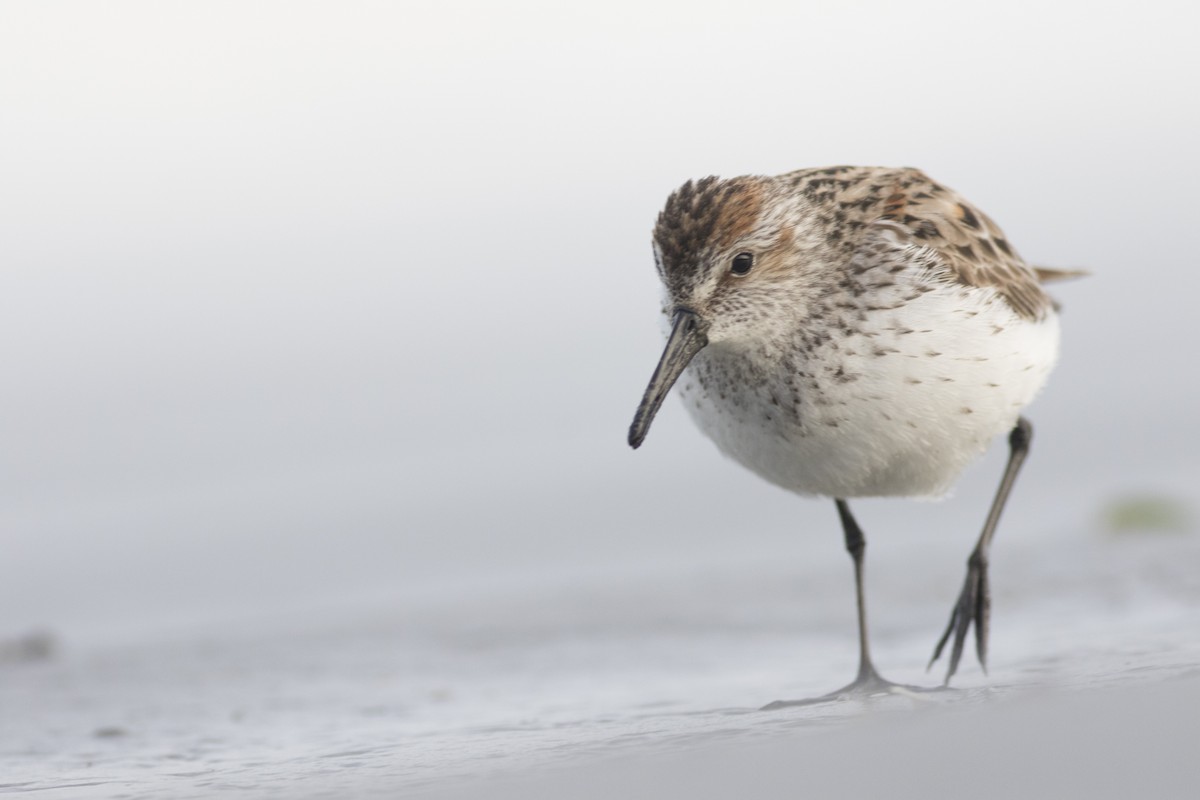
742	263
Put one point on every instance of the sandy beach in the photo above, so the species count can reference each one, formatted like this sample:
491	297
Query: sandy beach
642	684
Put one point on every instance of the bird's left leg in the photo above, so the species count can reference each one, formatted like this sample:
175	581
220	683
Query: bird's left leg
974	603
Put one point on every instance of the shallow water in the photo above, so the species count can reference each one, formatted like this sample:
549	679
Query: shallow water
420	691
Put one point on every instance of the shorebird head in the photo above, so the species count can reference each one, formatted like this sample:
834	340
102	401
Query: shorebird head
737	258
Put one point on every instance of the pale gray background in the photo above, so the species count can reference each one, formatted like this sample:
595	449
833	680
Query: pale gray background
308	301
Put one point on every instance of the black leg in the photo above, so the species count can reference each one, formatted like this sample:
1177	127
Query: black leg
856	545
975	602
868	682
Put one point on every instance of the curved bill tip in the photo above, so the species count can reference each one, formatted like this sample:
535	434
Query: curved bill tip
688	337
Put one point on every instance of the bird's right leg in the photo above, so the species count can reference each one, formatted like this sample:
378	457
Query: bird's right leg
856	545
868	682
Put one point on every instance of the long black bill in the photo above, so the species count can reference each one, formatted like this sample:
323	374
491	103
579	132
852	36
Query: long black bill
688	337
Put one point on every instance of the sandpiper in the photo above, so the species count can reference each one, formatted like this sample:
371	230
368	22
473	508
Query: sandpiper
853	332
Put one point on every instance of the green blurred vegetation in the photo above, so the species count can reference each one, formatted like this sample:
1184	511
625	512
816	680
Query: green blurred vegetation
1147	513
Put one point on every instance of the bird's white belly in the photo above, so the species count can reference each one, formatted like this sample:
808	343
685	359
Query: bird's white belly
898	408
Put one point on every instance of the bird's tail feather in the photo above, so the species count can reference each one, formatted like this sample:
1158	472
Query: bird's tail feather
1050	275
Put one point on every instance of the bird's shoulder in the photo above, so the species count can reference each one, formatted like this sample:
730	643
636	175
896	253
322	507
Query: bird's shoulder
900	214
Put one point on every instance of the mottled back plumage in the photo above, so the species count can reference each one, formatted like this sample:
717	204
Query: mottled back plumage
856	207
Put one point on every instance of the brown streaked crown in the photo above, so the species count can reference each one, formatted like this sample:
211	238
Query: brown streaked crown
702	215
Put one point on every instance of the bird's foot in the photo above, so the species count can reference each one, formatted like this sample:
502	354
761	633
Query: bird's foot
974	605
865	687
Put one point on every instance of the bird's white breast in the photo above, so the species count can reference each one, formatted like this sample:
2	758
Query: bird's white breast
898	406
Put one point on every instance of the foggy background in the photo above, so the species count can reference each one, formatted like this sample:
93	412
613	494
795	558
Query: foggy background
304	304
